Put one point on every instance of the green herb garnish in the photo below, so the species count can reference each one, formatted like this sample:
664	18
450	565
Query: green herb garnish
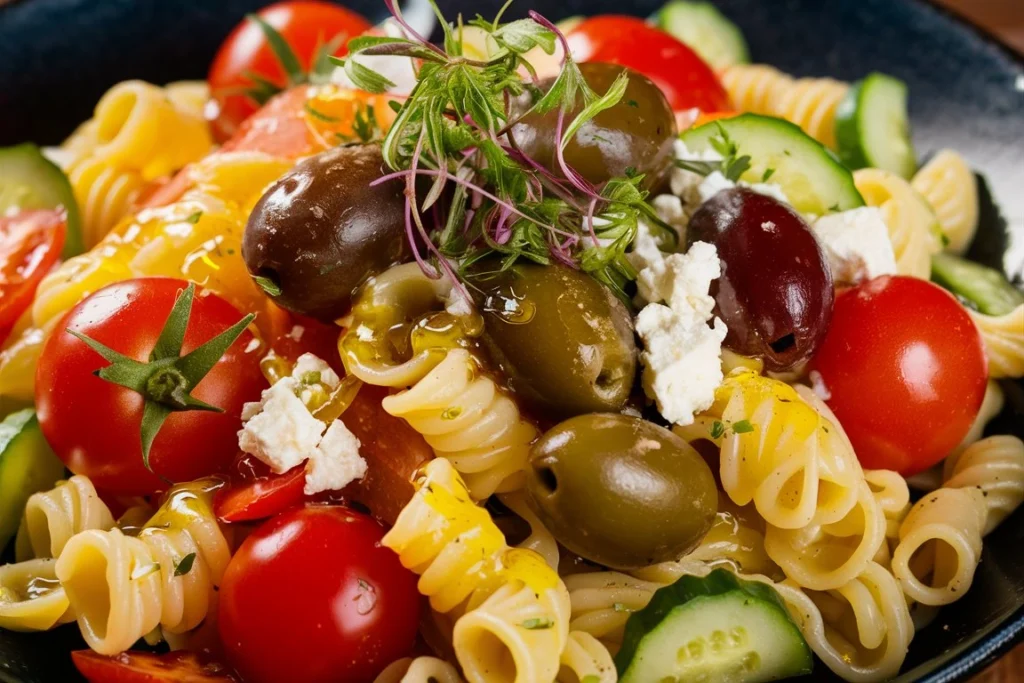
742	427
185	565
538	623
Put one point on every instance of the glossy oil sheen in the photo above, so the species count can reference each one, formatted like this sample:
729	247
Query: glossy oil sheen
964	95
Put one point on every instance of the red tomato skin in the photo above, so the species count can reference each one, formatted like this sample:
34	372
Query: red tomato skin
259	493
93	425
145	667
30	244
687	81
305	24
906	371
313	596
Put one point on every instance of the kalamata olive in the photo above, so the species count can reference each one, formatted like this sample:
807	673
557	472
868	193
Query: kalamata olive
635	135
775	293
562	339
321	231
621	491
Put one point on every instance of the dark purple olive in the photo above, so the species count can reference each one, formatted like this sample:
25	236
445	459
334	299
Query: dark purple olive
320	231
775	293
635	135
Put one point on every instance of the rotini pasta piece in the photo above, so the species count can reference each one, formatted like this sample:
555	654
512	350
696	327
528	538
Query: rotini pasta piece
991	405
540	539
778	452
995	466
1003	336
586	660
80	143
909	218
893	497
602	602
53	517
754	88
105	194
190	97
811	103
419	670
940	545
139	128
467	419
122	587
948	184
826	556
31	598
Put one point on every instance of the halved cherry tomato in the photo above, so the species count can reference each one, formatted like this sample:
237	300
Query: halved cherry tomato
145	667
905	369
313	596
304	24
30	243
259	493
687	81
94	425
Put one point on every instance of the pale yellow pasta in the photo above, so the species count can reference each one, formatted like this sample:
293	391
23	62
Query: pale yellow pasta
784	456
754	88
53	517
893	497
512	608
811	103
948	184
190	97
31	598
995	466
122	587
940	545
602	601
540	540
468	420
81	142
105	194
991	405
586	660
1003	336
139	128
910	220
419	670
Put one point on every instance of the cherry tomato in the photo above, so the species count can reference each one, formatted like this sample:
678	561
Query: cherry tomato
94	425
312	596
259	493
304	24
686	80
30	243
145	667
906	371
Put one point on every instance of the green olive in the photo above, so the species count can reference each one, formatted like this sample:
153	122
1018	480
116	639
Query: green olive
621	491
562	339
633	136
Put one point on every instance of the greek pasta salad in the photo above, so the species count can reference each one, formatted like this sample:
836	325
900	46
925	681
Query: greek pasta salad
584	352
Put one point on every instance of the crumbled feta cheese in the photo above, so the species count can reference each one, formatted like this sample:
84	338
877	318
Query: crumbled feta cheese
646	252
857	244
457	303
682	353
399	70
280	430
307	363
670	209
335	462
715	182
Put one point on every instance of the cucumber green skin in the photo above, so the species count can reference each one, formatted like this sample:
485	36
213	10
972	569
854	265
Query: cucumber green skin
706	31
25	164
985	287
27	465
851	132
715	585
813	180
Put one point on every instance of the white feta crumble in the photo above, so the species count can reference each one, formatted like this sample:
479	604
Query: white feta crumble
715	182
281	431
399	70
335	462
682	352
457	303
670	209
857	244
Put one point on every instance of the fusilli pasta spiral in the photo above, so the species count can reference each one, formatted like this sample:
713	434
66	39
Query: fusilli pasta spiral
540	539
53	517
138	577
940	545
893	497
1003	336
586	660
991	405
31	598
419	670
754	88
105	194
909	218
602	602
995	466
948	184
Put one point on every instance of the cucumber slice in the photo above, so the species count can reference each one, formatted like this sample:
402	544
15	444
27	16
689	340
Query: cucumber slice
27	465
718	628
872	126
28	180
986	288
707	31
810	176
